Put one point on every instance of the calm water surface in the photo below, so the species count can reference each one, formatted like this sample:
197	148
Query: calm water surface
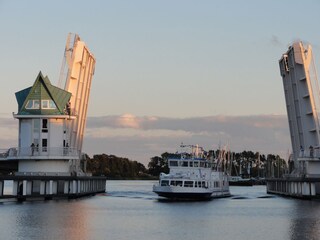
129	210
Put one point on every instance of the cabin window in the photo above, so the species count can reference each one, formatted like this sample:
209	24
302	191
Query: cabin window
179	183
188	183
185	164
33	104
164	183
176	183
202	164
203	184
173	163
196	164
191	164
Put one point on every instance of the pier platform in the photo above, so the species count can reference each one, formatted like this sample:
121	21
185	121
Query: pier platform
29	187
299	187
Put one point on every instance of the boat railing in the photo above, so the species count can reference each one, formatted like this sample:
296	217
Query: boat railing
38	152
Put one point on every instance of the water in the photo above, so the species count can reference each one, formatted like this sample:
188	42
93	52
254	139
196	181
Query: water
131	211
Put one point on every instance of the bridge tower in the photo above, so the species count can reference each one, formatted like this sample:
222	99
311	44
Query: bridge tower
51	128
52	120
302	97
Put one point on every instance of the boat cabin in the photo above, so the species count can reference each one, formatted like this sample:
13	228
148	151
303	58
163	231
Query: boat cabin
190	183
193	163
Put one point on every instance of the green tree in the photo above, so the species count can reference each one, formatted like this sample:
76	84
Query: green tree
158	165
116	167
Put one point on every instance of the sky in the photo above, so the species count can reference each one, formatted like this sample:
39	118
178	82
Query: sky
199	72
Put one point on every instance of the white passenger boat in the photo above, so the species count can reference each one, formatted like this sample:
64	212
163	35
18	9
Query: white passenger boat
192	176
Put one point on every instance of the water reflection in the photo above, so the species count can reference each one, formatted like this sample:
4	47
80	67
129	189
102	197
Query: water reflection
305	222
131	211
36	220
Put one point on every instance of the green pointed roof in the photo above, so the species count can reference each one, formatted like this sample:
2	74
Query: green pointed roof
32	100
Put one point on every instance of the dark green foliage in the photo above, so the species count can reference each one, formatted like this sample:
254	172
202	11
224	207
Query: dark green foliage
252	165
158	165
116	167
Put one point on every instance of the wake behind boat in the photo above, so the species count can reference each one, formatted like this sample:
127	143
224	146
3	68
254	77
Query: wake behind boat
192	177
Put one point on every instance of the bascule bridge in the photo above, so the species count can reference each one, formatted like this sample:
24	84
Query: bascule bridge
52	121
302	96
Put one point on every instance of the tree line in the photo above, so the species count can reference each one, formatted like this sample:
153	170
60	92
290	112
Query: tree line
247	164
116	167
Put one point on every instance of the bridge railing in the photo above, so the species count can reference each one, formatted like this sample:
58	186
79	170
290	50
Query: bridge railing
38	152
310	153
4	153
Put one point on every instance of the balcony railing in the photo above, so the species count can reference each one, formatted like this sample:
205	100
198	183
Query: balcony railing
38	152
310	154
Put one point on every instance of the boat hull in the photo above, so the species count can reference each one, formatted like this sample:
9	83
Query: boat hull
189	194
184	195
241	183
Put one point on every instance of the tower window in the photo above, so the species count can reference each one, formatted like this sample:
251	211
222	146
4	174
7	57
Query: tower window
33	104
44	125
44	144
286	63
48	104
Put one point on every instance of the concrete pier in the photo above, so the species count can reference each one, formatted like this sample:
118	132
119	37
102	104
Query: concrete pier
300	187
50	187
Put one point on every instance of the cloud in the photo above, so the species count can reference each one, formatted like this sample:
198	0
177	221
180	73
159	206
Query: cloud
9	132
128	121
194	124
142	137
